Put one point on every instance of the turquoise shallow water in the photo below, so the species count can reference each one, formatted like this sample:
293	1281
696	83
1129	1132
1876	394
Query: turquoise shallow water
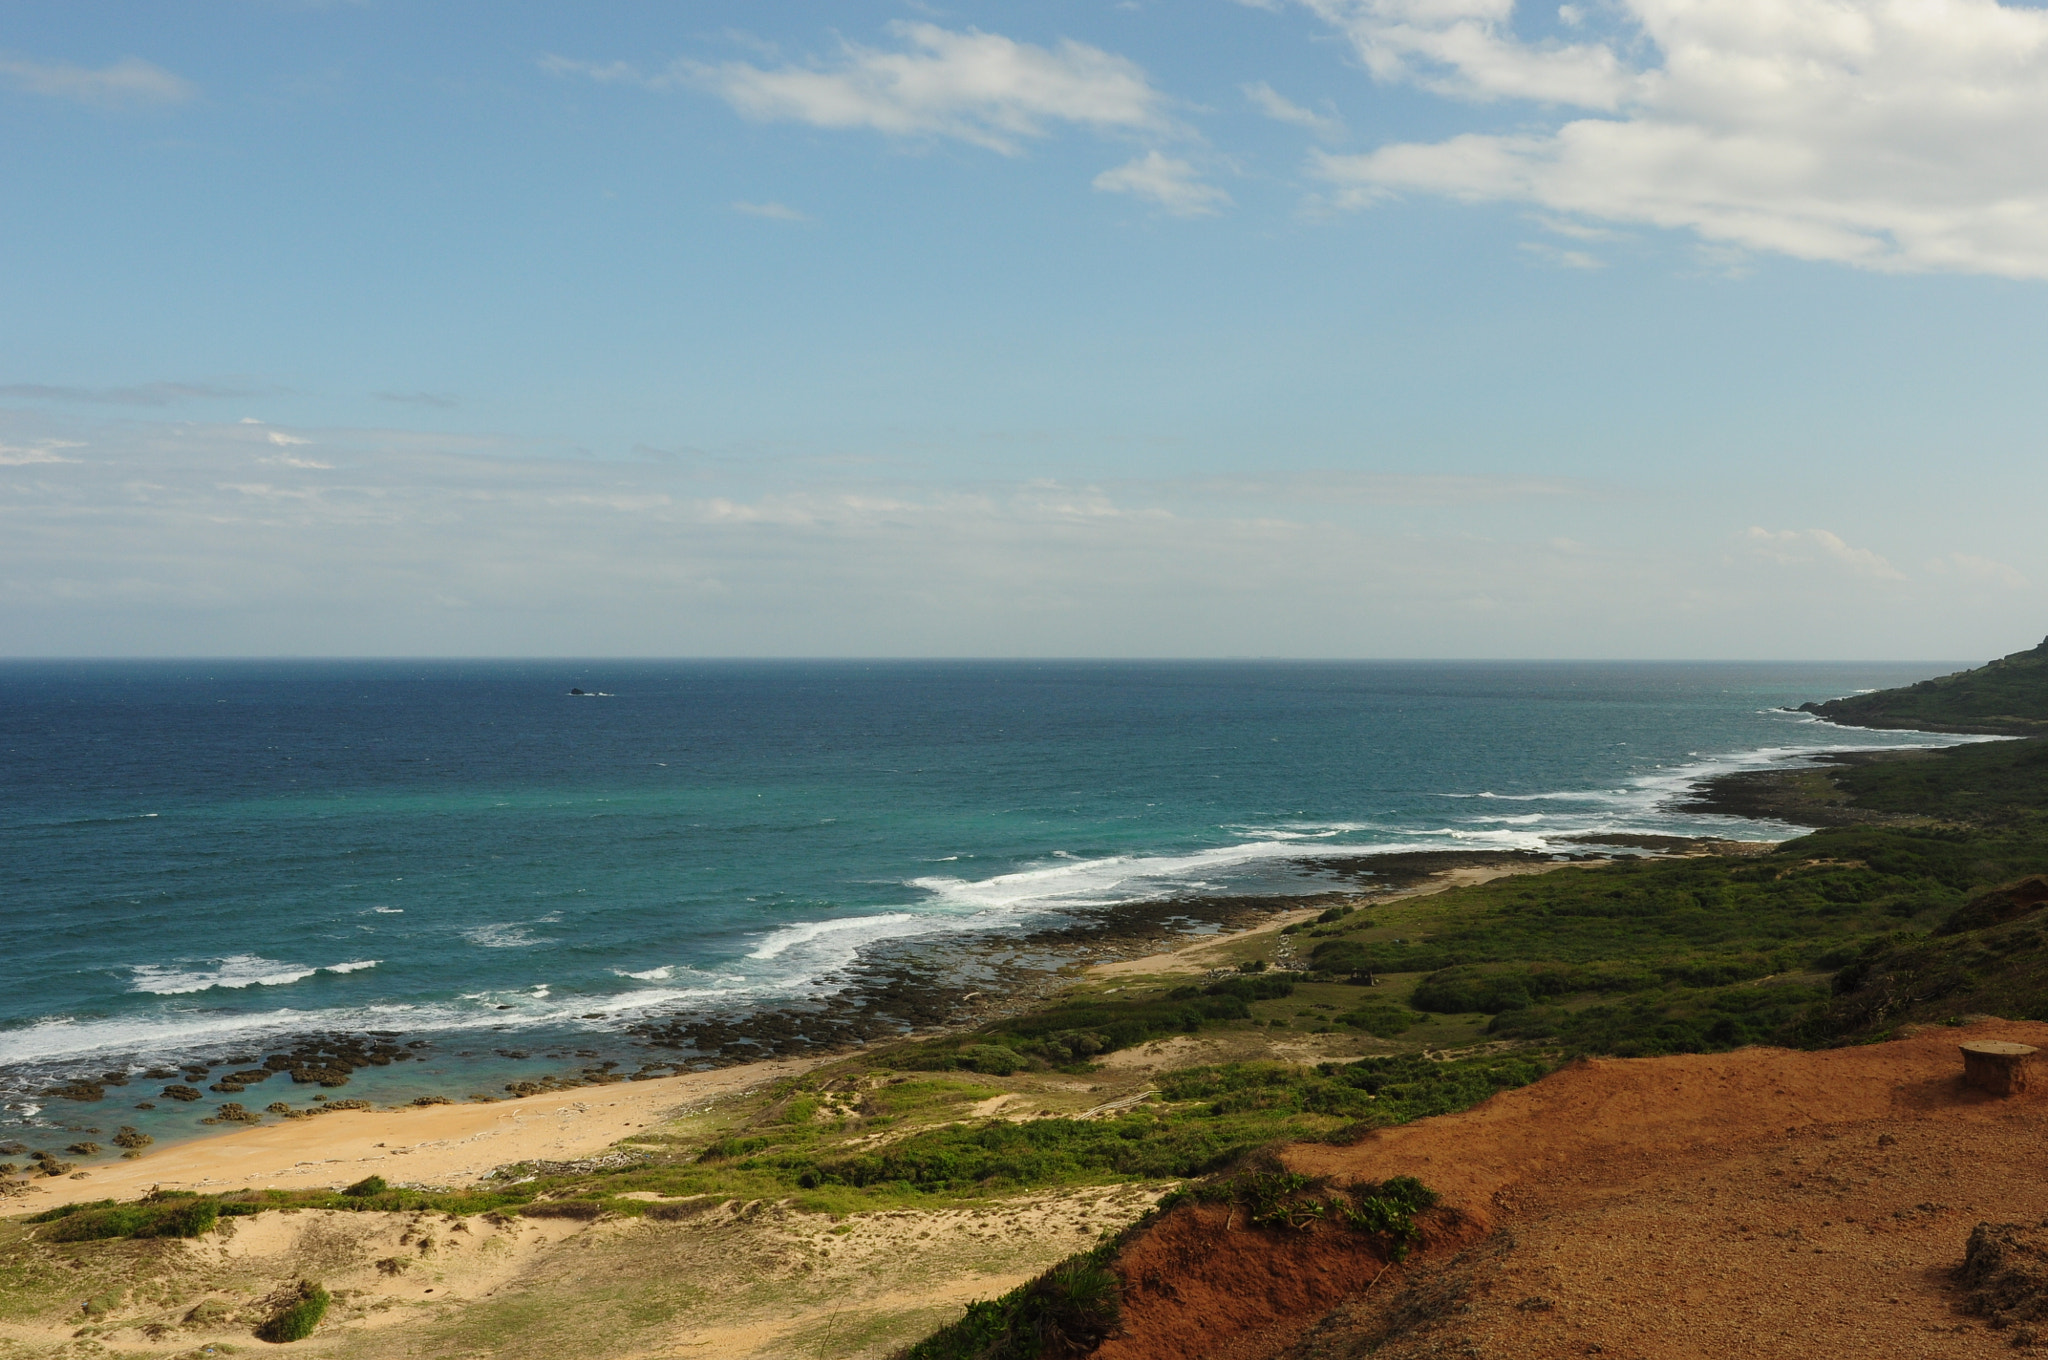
205	857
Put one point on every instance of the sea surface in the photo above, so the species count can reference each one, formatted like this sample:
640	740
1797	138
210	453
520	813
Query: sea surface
200	857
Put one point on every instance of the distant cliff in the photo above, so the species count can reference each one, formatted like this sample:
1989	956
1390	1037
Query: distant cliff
2009	696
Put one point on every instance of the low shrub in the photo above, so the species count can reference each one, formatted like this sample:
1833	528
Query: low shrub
992	1059
99	1221
1068	1311
297	1319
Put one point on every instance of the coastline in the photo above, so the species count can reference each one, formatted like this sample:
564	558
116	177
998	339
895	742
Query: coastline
448	1145
440	1145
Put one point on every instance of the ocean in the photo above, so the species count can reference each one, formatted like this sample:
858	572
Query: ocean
205	857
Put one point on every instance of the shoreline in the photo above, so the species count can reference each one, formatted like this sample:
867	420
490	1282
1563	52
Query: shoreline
459	1144
436	1144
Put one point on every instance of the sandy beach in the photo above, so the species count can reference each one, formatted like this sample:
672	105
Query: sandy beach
441	1145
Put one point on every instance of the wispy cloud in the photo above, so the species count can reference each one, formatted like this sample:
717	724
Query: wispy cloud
128	83
1798	547
42	451
182	536
1982	569
778	212
976	87
1172	184
146	394
1281	109
1562	258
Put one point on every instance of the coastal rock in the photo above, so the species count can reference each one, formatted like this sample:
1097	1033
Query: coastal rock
325	1076
185	1093
78	1090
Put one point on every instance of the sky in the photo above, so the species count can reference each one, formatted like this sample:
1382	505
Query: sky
1212	328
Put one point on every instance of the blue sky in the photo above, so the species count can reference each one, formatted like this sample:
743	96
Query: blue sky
1323	328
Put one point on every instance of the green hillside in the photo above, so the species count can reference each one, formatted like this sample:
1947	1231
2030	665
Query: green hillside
2009	696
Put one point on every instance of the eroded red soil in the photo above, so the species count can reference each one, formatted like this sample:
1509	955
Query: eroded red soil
1765	1203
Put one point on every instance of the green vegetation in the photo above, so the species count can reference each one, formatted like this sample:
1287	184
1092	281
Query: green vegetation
1069	1310
1990	784
1067	1034
2009	695
168	1214
297	1319
1370	1093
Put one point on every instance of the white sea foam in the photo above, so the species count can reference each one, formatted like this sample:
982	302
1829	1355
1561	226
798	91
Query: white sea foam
661	974
503	935
234	971
780	942
389	911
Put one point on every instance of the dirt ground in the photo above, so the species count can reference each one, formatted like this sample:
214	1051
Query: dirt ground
1763	1203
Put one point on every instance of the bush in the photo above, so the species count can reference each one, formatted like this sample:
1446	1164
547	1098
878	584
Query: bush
993	1059
1068	1311
1257	987
1380	1018
98	1222
367	1186
297	1319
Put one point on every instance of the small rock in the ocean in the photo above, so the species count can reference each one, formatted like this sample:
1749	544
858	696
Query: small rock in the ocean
78	1090
181	1093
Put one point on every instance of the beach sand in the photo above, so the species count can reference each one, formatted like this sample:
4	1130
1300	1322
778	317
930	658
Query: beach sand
441	1145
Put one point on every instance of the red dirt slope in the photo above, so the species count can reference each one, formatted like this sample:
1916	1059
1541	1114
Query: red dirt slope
1762	1203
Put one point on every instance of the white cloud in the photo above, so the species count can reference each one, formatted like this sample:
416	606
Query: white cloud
976	87
1173	184
43	451
778	212
1798	547
285	441
1896	135
1563	259
1280	108
126	83
1983	569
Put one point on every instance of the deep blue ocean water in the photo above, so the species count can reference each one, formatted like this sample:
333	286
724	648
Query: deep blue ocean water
200	856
